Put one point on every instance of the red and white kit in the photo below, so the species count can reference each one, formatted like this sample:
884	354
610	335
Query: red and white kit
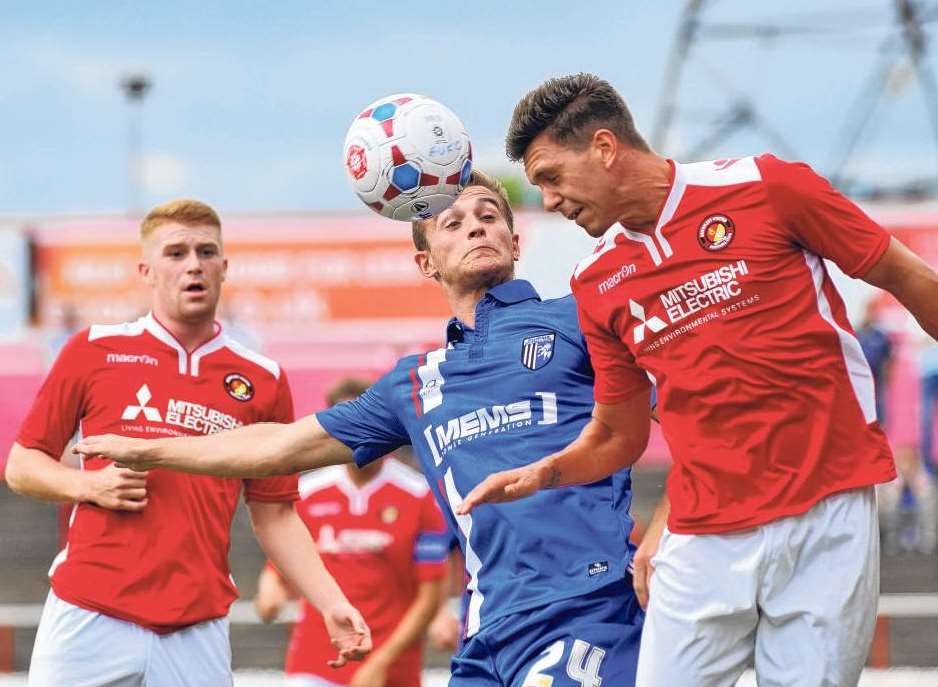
166	567
766	402
764	395
379	541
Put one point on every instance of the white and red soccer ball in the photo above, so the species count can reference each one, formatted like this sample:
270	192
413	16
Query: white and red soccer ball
407	157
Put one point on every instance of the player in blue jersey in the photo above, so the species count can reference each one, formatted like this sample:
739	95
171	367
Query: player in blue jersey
551	601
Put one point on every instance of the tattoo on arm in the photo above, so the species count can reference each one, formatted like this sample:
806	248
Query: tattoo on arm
553	478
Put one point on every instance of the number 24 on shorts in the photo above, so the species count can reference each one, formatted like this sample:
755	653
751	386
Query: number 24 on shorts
582	666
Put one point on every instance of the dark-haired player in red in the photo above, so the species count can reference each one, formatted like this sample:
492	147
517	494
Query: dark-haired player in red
709	281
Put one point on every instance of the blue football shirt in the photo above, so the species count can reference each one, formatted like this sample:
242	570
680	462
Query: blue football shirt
513	389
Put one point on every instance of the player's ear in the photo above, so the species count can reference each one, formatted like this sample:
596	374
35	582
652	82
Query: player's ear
424	262
515	247
143	269
224	269
605	145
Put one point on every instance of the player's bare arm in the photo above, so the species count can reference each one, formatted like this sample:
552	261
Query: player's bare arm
909	278
286	541
258	450
613	439
272	595
34	473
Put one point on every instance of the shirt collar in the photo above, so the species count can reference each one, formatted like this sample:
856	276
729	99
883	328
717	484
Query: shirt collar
506	293
514	291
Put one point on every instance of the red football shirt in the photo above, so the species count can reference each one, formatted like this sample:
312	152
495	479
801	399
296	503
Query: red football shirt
379	541
167	566
764	395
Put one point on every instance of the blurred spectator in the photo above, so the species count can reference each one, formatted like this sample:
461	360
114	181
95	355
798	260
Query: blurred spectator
909	507
877	349
909	504
382	535
928	370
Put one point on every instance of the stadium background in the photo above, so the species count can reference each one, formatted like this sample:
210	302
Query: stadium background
328	289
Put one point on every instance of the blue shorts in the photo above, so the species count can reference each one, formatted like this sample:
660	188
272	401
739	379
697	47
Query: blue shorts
570	643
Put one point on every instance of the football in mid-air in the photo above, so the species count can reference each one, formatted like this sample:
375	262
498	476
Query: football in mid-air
407	156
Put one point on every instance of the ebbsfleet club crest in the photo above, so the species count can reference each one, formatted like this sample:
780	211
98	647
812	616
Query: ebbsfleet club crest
537	351
239	387
716	232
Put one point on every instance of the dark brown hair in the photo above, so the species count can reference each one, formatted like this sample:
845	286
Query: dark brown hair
477	178
347	388
570	109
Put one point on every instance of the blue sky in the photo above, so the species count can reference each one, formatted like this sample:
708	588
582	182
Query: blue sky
251	100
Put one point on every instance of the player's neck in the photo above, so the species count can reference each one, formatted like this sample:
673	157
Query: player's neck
644	186
190	335
463	298
464	304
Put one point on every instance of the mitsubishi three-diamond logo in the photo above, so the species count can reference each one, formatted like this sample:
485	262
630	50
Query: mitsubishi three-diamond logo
654	323
143	397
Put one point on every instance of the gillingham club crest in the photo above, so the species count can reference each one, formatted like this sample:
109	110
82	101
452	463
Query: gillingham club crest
537	351
716	232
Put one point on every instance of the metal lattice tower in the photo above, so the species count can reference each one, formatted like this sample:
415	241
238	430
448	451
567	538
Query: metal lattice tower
902	58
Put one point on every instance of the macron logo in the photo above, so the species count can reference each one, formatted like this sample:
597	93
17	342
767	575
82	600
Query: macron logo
655	324
143	397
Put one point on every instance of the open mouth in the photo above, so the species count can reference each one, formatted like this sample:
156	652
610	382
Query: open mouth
575	214
195	288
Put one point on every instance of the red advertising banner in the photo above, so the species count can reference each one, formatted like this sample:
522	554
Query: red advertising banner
291	270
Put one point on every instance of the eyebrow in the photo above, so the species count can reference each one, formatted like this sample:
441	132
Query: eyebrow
539	173
183	244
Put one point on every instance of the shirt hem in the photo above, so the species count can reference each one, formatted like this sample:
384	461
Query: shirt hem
158	628
765	517
619	573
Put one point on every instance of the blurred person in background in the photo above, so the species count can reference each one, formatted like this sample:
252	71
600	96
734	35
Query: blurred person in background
908	505
141	590
708	280
877	349
383	538
550	587
928	374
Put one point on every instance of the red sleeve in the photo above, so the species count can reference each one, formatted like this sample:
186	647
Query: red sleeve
432	544
820	218
284	487
618	377
58	407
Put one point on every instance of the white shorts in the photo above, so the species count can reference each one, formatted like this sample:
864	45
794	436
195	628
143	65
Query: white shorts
81	648
796	596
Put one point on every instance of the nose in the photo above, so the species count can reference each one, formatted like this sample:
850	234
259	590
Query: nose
551	200
193	263
476	229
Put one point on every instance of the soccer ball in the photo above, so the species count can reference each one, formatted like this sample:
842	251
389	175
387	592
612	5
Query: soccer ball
407	157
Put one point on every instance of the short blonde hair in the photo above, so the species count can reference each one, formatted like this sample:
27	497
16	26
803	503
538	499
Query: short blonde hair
185	211
477	178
